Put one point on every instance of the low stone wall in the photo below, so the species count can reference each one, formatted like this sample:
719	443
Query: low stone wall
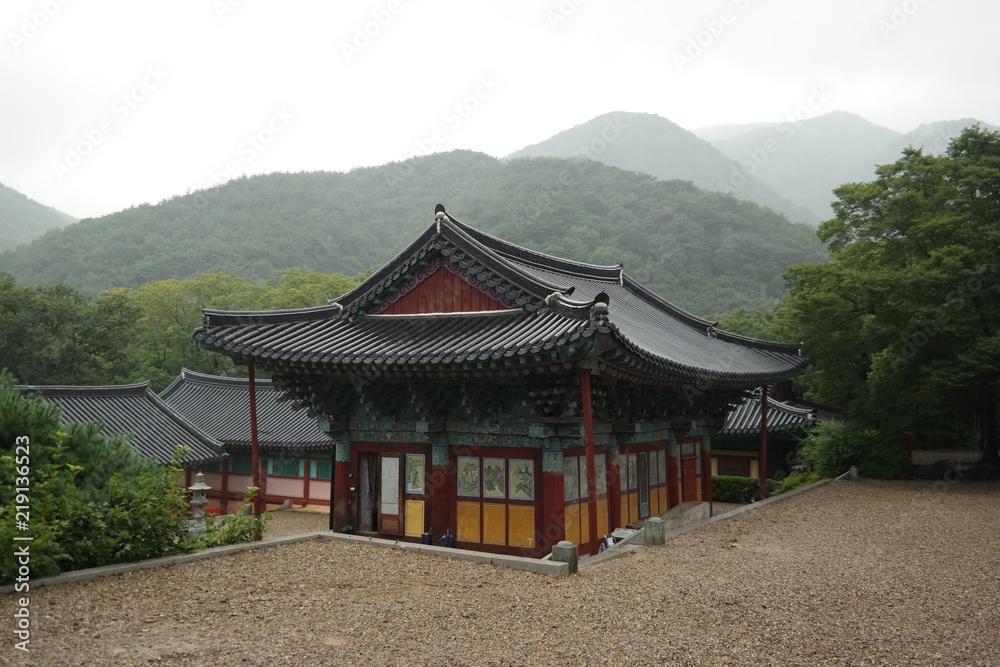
549	567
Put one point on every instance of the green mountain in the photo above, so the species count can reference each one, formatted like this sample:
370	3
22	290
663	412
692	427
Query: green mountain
933	138
653	145
708	252
23	219
807	160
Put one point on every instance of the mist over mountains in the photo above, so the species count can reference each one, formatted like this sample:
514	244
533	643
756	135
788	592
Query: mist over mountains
23	220
805	161
708	252
709	218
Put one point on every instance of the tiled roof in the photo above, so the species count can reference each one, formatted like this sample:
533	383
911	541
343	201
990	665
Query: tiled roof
554	321
134	408
221	407
744	419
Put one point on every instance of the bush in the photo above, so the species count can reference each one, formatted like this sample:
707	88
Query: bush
832	448
91	500
730	489
241	526
794	481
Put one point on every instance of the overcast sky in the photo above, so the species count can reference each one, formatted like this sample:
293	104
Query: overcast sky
110	103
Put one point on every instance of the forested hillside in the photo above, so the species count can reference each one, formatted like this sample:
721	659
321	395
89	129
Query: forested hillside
23	219
710	253
651	144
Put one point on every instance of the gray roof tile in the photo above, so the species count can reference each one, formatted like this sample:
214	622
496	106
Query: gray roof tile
643	333
135	409
221	407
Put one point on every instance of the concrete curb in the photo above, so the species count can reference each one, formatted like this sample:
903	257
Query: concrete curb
635	542
539	566
124	568
759	503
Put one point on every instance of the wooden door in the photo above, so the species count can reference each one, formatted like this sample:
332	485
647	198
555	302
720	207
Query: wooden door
643	470
390	506
689	479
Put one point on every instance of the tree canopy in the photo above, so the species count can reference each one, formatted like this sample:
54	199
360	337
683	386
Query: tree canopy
56	335
904	326
705	251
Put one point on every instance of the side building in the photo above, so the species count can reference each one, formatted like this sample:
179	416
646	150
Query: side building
506	397
156	430
296	458
736	448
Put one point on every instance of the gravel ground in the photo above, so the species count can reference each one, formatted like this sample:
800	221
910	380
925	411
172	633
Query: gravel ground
850	573
285	523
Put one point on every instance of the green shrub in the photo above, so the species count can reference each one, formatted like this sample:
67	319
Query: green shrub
794	481
731	489
832	448
242	526
91	500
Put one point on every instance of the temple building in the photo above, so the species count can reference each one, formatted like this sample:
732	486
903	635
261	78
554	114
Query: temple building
736	448
155	430
508	398
296	458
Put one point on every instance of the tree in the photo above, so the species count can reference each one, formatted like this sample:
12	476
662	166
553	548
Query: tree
93	500
55	335
904	326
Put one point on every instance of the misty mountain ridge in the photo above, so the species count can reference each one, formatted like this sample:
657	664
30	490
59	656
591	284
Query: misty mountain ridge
706	252
22	219
805	161
650	144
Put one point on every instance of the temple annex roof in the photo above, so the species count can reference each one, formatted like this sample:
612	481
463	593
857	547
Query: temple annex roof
156	429
220	407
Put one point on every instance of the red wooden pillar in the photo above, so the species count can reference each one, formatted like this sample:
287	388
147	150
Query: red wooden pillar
588	445
342	510
706	473
553	527
224	502
258	504
673	475
614	491
440	486
763	442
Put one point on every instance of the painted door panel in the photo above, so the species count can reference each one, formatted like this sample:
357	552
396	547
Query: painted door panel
390	511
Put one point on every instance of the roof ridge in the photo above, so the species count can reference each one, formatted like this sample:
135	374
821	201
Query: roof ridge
132	389
196	377
708	326
538	258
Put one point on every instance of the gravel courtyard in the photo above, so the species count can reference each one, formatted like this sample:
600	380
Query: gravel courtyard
850	573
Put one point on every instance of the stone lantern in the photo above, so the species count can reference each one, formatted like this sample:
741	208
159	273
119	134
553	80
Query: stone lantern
198	501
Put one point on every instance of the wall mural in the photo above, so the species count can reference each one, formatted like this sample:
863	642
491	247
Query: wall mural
468	476
415	473
522	479
494	478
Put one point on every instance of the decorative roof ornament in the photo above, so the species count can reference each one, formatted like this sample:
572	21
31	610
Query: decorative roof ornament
439	216
565	294
599	312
